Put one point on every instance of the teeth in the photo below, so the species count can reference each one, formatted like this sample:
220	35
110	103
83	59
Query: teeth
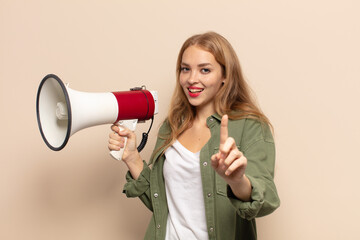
195	90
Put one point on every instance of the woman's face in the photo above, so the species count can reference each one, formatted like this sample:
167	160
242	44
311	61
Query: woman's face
200	77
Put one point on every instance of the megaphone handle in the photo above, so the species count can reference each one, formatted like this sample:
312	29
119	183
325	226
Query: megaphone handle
130	124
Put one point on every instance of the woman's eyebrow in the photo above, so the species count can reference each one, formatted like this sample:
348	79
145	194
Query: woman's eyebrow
204	64
199	65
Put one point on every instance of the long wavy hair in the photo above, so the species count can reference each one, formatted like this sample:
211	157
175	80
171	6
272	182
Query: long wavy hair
234	98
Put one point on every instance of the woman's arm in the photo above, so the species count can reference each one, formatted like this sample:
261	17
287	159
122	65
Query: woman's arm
251	189
231	164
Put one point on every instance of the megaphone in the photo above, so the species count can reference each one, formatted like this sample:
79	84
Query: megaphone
62	111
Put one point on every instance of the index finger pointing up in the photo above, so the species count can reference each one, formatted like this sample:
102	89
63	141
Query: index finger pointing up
223	130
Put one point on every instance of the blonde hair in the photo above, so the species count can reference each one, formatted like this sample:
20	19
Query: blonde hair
234	97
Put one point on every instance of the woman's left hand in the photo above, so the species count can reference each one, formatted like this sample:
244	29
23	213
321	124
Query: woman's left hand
230	163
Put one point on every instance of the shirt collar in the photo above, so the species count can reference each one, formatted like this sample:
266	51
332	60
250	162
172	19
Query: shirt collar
216	116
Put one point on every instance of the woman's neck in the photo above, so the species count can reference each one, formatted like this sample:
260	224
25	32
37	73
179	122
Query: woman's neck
203	113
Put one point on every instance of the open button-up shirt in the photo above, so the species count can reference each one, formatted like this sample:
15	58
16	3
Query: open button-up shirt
227	217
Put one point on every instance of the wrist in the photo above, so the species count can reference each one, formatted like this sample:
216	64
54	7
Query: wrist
241	189
135	166
131	157
133	160
237	181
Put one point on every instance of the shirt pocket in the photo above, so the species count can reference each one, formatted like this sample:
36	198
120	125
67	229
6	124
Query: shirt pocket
220	183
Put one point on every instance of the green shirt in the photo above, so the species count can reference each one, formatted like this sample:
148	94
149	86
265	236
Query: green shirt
227	217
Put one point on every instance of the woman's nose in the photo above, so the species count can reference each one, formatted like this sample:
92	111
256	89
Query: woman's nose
193	78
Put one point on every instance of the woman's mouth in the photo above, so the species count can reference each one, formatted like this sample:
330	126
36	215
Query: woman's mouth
195	91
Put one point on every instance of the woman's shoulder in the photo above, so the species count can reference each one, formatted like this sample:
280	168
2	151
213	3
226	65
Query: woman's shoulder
164	130
252	128
255	129
164	127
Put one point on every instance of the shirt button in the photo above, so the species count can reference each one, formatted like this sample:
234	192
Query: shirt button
156	195
209	194
211	119
211	229
205	164
158	226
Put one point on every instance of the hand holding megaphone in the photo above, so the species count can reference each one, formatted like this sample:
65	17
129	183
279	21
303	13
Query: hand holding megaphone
62	111
122	137
130	125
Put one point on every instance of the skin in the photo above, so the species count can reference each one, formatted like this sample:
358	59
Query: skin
198	69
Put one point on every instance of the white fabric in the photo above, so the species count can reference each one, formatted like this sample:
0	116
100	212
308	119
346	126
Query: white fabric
184	194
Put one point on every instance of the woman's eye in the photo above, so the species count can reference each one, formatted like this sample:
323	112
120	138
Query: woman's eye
185	69
205	70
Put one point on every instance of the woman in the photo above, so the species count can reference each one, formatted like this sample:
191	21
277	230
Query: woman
213	165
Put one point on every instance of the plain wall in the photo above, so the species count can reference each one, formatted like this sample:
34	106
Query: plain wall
300	57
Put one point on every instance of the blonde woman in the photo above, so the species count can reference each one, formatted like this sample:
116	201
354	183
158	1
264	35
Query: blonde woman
212	168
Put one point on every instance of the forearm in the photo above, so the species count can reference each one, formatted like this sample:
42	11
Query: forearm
242	189
135	166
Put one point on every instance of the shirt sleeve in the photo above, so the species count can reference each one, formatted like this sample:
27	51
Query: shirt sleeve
259	150
139	187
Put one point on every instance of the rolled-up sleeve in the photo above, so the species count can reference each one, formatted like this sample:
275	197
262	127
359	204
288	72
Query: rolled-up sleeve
139	187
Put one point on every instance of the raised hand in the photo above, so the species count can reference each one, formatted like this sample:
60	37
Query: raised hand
230	163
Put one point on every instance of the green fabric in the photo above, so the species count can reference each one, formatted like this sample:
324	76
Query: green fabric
226	216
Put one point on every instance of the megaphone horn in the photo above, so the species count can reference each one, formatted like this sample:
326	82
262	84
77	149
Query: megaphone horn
62	111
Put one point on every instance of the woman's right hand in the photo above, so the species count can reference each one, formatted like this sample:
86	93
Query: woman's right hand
131	156
117	141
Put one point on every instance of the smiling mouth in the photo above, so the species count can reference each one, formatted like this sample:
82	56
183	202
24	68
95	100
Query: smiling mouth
192	90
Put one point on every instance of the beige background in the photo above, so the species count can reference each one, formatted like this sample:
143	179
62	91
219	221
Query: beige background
300	57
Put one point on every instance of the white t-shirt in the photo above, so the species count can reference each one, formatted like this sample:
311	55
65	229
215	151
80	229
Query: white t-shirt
184	194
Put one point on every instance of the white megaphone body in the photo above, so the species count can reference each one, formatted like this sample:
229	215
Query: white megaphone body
62	111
